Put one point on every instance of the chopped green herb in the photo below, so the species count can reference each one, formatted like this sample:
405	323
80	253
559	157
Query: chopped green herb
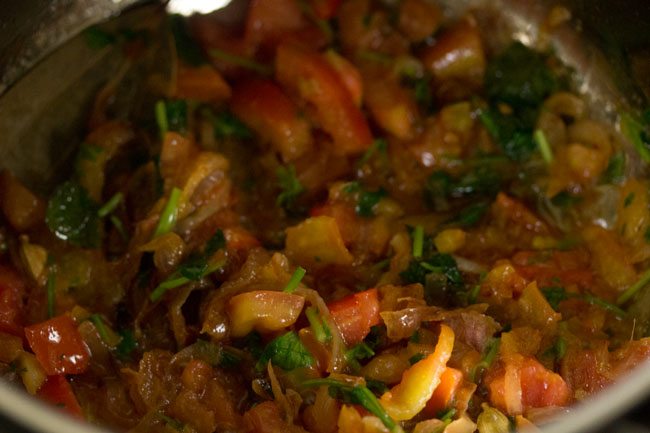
629	199
357	353
472	296
520	77
171	116
108	336
287	352
559	348
290	186
226	125
593	300
186	48
229	359
97	38
169	214
416	358
110	205
554	295
367	201
565	199
243	62
376	386
442	264
126	346
543	146
321	331
117	223
513	135
490	354
637	133
379	146
172	423
615	172
296	278
470	215
447	415
418	241
72	215
355	394
195	268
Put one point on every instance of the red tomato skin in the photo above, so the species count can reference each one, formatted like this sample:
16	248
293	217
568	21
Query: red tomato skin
309	75
265	108
57	391
58	346
356	314
12	290
325	9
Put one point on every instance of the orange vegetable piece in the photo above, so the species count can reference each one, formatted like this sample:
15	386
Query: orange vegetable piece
410	396
58	346
20	206
443	397
263	311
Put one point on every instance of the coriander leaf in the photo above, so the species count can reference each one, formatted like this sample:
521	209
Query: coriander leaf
416	358
554	295
470	215
97	38
287	352
367	201
295	280
186	48
615	172
72	216
226	125
519	76
357	353
437	190
379	146
442	264
637	133
290	186
126	345
513	135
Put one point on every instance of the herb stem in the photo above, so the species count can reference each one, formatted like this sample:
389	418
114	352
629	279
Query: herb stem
161	117
634	288
110	205
593	300
418	241
543	146
169	214
241	61
316	323
297	276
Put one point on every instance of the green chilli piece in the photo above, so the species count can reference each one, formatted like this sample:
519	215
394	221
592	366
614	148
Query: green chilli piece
543	146
296	278
634	288
169	214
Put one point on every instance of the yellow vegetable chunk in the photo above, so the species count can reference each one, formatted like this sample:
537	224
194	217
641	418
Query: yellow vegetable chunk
450	240
263	311
410	396
31	372
317	241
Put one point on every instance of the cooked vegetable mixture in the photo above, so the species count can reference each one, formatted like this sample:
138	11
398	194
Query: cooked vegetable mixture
347	217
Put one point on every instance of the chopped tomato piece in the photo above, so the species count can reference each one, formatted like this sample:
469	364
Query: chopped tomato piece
12	290
57	391
202	84
265	108
58	346
536	387
269	20
263	311
348	74
442	398
308	74
356	314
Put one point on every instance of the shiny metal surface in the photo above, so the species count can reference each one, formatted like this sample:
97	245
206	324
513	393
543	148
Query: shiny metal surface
41	114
